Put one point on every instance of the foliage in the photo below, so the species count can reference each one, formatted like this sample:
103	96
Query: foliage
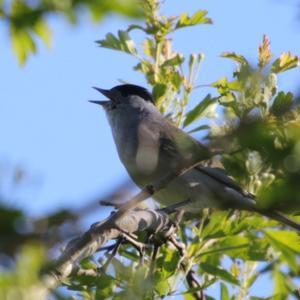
258	137
24	277
27	20
158	62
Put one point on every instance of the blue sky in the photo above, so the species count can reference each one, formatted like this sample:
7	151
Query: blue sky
47	125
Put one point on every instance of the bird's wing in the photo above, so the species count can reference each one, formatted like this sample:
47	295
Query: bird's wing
178	143
176	150
181	145
162	147
221	176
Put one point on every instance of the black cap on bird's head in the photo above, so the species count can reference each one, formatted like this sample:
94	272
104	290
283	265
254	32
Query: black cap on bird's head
124	90
130	89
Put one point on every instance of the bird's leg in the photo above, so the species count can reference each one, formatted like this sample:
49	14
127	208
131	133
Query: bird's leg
132	239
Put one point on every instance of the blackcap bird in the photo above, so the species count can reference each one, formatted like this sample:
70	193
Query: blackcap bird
151	147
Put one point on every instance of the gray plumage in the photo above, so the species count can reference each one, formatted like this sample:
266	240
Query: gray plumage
150	147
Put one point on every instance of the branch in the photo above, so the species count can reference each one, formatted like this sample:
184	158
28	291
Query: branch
133	221
193	283
190	276
126	218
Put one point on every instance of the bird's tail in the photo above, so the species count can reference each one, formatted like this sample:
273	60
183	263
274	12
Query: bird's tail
275	215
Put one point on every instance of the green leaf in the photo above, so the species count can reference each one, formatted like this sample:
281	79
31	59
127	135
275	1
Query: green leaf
199	128
289	239
128	43
285	62
228	100
198	17
281	291
261	298
159	91
221	85
282	103
178	59
235	86
224	292
288	244
235	251
243	247
149	48
136	27
105	286
176	79
86	264
166	267
23	274
188	295
200	110
220	273
129	254
236	57
169	262
23	44
110	42
43	31
122	272
121	43
26	20
144	66
284	286
215	227
161	284
99	9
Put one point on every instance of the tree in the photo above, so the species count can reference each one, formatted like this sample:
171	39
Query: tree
258	141
27	20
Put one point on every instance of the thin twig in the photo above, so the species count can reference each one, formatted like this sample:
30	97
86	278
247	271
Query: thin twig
193	283
112	255
153	259
107	248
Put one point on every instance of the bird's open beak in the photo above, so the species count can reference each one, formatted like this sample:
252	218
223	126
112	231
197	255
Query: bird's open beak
99	102
106	93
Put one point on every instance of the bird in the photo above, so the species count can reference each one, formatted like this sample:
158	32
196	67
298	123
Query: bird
151	148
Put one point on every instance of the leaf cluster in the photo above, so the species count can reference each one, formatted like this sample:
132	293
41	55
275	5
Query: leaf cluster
27	21
162	67
257	137
260	130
